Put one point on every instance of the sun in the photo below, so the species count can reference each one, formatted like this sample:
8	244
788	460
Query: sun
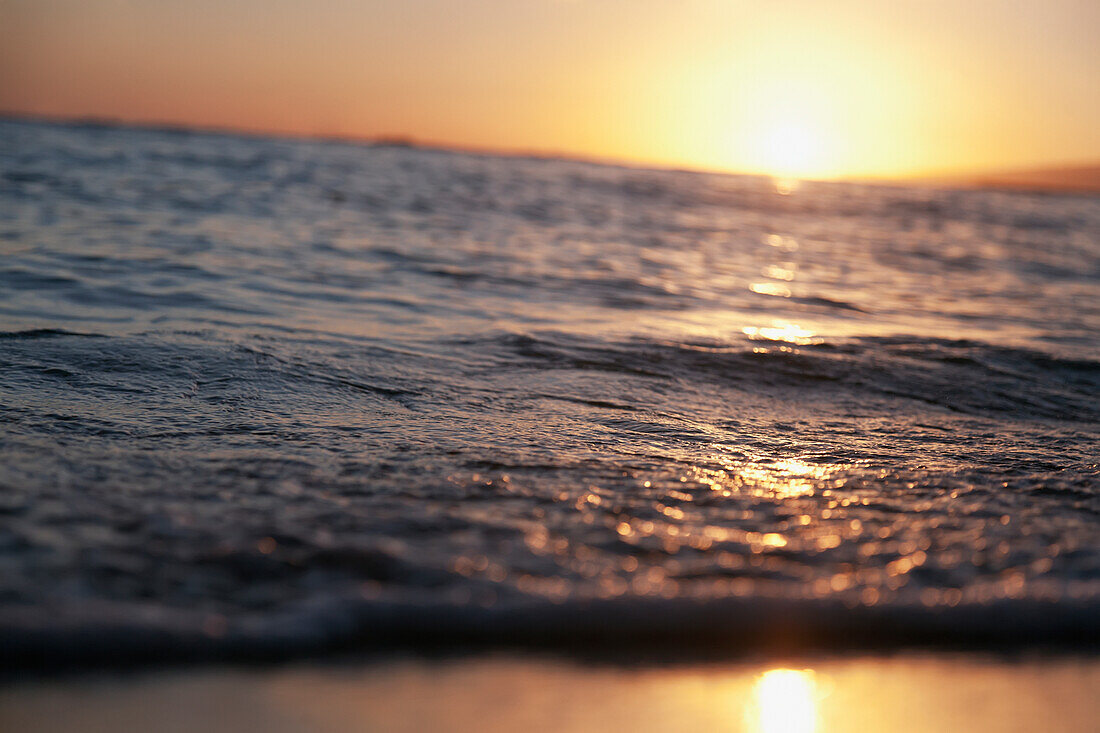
793	104
792	137
790	148
784	126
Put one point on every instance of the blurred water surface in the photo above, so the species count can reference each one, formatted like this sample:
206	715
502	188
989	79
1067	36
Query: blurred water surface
261	392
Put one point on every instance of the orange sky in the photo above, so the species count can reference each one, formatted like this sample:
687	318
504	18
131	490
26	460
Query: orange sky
791	88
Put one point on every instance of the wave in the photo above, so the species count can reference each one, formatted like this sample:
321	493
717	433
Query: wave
102	636
962	376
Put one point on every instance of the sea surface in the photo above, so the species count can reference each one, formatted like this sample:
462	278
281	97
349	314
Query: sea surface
267	397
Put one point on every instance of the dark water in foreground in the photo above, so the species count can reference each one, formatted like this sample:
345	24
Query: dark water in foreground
262	395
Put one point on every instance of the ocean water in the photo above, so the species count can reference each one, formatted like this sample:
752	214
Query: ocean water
265	397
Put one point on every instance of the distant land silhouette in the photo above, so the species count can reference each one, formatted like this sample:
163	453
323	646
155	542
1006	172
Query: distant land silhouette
1069	178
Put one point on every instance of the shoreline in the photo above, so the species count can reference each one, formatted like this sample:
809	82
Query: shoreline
821	694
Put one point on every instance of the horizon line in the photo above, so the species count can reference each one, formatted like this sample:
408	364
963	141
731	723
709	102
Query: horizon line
1001	178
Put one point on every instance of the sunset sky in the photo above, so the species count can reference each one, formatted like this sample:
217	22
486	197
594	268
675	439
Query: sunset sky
816	88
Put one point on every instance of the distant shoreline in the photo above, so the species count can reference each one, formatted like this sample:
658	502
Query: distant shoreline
1068	179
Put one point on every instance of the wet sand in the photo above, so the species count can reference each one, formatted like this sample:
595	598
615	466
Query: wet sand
898	694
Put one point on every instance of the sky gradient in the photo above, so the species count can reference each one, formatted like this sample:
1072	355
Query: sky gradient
789	88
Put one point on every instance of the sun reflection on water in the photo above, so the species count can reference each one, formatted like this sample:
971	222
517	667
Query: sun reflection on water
783	701
774	289
784	479
791	333
786	186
